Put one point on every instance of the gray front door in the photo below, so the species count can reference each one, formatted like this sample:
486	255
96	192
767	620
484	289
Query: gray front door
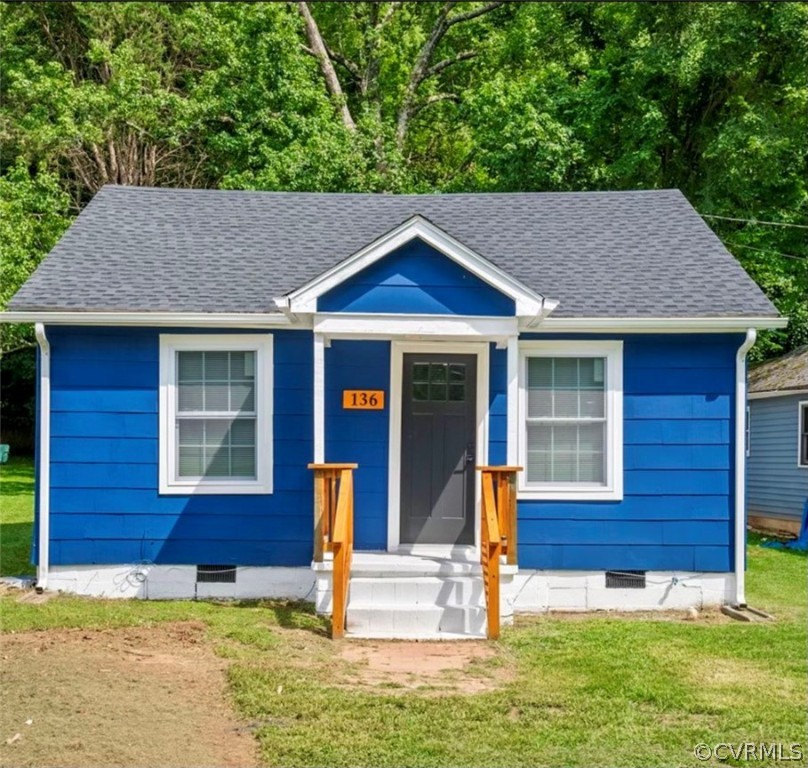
438	450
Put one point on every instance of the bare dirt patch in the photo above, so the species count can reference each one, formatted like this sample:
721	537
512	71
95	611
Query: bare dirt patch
141	696
440	667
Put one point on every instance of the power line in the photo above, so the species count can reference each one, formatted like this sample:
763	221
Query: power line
765	250
753	221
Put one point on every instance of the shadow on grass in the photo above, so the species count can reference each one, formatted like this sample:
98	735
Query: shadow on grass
296	614
15	549
16	488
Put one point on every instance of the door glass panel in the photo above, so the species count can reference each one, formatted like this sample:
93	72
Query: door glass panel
439	382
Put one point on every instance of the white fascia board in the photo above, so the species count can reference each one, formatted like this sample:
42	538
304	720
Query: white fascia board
370	325
653	324
175	319
304	299
776	393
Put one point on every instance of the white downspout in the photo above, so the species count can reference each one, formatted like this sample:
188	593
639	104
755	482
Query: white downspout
43	490
740	467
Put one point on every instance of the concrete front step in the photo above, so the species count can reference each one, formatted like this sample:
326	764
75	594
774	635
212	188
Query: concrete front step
423	596
417	591
421	622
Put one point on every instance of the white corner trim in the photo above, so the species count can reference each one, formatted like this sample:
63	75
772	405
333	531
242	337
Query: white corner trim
653	324
262	345
740	466
397	352
162	319
512	402
775	393
351	326
802	404
612	490
304	299
43	481
319	398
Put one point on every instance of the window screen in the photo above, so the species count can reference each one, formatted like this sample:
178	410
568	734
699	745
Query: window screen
216	414
566	420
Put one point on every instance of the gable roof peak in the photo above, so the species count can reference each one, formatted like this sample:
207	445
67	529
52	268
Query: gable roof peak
417	227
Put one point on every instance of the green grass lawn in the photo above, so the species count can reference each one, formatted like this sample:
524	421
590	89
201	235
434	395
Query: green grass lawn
17	508
602	689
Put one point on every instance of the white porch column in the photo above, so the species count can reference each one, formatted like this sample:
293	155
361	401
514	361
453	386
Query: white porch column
319	398
513	401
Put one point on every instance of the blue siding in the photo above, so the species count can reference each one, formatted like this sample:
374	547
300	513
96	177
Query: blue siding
360	436
776	486
498	406
677	513
416	279
105	507
678	505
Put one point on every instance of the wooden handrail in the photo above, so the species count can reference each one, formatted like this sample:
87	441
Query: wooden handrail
490	552
498	533
343	554
333	531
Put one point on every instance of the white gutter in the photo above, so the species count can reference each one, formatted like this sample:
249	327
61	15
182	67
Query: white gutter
175	319
43	481
740	467
653	324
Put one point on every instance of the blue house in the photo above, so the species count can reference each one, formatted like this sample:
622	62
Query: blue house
777	445
237	390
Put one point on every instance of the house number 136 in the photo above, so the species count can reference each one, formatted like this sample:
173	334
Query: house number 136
363	399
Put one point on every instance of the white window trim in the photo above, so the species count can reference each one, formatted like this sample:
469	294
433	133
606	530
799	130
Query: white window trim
612	490
802	404
261	344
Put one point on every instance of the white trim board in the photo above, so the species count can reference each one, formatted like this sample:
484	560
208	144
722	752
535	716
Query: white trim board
397	351
776	393
528	303
162	319
262	345
653	324
612	490
352	326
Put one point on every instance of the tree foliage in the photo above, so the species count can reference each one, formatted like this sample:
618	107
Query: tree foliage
414	97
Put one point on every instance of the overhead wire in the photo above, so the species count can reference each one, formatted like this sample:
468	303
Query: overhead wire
753	221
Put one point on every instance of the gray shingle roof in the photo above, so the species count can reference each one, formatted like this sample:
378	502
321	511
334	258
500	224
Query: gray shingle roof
606	254
789	372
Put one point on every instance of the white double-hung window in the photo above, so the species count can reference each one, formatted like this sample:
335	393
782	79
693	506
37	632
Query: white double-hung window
571	420
215	413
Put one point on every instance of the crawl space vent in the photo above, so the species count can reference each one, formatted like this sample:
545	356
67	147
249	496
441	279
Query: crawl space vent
215	574
625	579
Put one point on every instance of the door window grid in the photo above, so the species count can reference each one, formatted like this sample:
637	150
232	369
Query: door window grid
439	382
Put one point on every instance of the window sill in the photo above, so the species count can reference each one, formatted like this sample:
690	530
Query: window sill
569	494
215	489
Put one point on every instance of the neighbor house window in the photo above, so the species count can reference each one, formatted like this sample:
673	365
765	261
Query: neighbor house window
802	449
747	435
215	413
571	411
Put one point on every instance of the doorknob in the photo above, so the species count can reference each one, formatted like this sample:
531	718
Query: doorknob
470	454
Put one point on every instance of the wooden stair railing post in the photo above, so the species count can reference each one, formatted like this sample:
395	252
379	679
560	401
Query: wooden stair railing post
333	531
498	535
491	549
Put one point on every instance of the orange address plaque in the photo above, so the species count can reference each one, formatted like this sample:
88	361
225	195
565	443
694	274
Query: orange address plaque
363	399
